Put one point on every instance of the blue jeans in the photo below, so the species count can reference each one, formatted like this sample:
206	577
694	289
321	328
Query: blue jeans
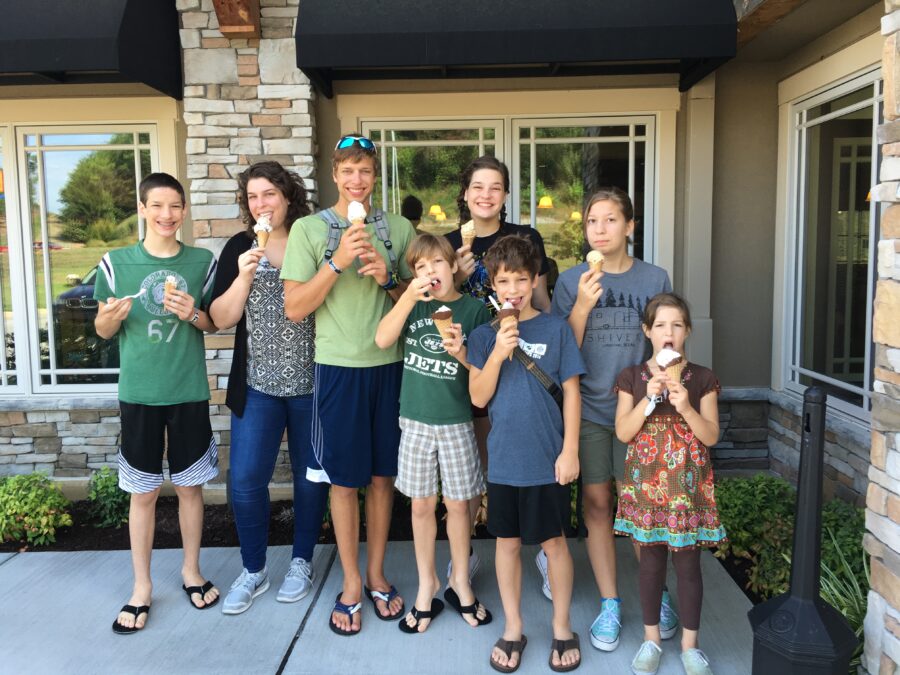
255	441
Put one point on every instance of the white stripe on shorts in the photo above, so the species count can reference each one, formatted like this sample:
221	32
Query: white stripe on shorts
202	471
136	481
316	473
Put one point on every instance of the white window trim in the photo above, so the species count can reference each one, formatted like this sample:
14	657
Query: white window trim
851	67
163	115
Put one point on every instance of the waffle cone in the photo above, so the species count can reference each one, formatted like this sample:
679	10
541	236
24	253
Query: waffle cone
468	239
443	326
262	238
596	267
170	286
509	321
674	372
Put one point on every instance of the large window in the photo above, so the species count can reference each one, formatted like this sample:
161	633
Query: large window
77	198
554	164
835	230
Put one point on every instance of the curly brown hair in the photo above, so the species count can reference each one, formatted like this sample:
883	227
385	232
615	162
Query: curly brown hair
288	183
514	252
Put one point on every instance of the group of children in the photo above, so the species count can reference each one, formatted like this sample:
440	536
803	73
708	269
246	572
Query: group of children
408	335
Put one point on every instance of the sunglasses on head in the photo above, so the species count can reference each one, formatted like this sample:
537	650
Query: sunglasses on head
351	140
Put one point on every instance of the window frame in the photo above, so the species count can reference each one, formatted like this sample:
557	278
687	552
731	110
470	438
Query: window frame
796	127
24	296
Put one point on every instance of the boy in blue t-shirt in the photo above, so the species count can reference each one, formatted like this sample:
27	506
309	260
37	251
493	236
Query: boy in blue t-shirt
532	446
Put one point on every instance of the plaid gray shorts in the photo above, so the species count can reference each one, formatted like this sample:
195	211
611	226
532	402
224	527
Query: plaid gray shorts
452	447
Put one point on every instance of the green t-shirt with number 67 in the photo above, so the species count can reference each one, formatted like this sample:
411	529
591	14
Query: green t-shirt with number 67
162	358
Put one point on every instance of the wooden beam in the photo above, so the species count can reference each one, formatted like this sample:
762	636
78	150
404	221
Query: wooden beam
763	17
238	18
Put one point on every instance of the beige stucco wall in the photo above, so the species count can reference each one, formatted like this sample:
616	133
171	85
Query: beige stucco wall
744	223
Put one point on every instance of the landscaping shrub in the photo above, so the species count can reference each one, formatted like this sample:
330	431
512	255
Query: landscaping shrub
31	509
758	515
109	503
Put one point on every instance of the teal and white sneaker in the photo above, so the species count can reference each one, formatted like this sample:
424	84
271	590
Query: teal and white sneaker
695	662
646	661
606	627
668	617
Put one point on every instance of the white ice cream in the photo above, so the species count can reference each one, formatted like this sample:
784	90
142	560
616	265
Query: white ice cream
356	212
507	305
262	224
666	356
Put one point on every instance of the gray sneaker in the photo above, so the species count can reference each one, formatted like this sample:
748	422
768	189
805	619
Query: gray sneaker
540	561
646	661
297	582
695	662
474	564
244	589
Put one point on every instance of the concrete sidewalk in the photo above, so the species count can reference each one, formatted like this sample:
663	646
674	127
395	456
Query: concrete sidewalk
57	609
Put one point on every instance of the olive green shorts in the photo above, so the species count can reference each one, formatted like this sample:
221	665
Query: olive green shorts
600	453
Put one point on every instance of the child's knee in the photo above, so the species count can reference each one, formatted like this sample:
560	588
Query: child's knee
145	499
509	545
457	507
555	547
423	507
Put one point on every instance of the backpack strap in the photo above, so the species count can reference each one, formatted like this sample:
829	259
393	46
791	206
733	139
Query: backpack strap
383	230
336	225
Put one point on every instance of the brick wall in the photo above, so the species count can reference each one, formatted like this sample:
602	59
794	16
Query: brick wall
882	541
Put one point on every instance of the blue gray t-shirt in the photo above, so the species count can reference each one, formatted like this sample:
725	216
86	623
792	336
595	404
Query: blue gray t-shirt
526	424
613	339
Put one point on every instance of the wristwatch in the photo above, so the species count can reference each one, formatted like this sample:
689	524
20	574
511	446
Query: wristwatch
391	283
196	317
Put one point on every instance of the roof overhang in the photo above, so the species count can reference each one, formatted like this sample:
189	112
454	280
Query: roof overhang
48	41
418	39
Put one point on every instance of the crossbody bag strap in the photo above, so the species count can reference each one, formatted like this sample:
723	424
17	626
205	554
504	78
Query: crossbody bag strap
533	368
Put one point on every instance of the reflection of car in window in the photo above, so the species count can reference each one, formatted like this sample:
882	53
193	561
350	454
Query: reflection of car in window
77	344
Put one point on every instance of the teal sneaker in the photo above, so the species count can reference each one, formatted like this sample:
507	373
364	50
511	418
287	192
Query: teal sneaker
695	662
605	629
646	661
668	617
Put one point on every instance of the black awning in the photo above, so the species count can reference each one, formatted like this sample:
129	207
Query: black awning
63	41
379	39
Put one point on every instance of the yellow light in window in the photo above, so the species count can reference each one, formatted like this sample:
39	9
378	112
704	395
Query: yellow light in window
435	210
546	202
441	217
575	216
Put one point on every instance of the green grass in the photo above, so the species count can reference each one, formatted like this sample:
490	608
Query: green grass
69	260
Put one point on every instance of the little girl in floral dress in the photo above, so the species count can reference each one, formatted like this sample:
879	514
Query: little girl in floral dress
667	501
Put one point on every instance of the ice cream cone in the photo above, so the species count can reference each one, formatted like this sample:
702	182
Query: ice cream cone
595	261
509	316
262	229
674	372
442	319
171	284
262	238
672	362
467	232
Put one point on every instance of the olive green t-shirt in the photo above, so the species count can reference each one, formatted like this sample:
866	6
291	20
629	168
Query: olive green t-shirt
347	319
435	387
162	358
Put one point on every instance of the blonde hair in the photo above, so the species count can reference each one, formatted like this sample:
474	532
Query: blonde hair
428	245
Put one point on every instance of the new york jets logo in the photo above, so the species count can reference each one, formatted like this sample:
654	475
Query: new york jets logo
155	283
432	343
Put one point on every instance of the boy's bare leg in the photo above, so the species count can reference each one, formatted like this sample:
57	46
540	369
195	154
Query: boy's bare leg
424	526
190	519
509	579
379	502
601	543
559	562
141	526
345	519
458	534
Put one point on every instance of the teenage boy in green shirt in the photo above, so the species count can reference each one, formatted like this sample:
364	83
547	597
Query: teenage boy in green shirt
357	385
146	295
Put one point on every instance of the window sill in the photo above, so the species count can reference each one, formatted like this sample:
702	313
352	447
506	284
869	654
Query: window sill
73	402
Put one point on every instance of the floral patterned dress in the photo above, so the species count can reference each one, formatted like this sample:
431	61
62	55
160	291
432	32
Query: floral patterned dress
668	495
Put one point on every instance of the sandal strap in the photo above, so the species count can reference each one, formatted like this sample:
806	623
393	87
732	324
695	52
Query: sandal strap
385	597
509	646
562	646
421	613
131	609
349	610
201	590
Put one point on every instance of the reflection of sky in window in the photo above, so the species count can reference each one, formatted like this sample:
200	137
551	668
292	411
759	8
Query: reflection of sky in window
57	167
77	139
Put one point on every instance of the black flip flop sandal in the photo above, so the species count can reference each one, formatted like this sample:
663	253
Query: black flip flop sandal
349	610
508	647
561	647
452	598
418	614
202	590
119	629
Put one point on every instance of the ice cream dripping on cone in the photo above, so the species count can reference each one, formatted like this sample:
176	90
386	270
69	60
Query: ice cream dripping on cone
171	284
672	362
595	261
467	232
442	319
509	316
263	229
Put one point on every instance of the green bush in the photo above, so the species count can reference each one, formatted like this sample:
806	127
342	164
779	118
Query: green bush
758	515
31	509
108	503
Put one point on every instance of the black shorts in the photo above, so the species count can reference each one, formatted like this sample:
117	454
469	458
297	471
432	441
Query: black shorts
147	430
533	514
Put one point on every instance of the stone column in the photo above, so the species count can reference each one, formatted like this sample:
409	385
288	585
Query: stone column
882	540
